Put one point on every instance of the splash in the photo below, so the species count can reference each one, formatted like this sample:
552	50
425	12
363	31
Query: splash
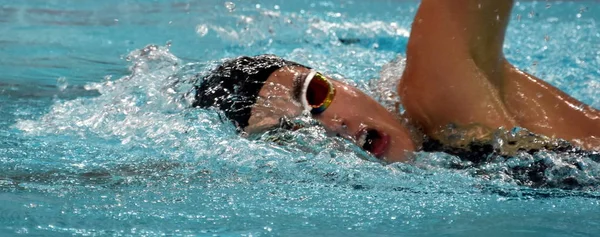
150	109
384	87
148	115
126	106
134	159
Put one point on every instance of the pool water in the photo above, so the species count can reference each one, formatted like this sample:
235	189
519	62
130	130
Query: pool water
97	138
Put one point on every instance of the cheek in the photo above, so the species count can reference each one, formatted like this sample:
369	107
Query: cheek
348	91
268	111
285	107
356	102
258	125
348	94
278	102
279	110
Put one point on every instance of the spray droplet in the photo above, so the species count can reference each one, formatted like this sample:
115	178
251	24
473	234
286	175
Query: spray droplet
230	6
62	83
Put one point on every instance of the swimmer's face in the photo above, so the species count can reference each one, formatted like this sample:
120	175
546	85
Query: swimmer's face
350	114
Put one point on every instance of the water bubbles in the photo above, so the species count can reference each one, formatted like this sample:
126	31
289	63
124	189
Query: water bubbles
334	14
247	19
385	86
62	83
128	108
186	141
201	30
230	6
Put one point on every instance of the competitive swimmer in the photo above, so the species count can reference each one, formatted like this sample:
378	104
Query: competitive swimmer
458	90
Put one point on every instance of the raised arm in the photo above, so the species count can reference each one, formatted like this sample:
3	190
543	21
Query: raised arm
471	29
456	74
454	47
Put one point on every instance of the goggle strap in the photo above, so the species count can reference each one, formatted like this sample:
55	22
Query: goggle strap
303	100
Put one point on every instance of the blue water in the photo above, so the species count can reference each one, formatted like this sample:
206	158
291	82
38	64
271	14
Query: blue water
97	139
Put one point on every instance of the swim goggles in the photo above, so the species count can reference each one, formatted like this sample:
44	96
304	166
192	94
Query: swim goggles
317	93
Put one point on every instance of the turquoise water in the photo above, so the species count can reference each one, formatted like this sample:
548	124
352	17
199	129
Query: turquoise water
96	137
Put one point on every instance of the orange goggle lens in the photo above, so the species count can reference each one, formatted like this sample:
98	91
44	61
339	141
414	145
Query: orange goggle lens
318	93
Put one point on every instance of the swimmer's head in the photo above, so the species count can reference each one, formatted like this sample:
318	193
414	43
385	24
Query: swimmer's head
234	86
255	93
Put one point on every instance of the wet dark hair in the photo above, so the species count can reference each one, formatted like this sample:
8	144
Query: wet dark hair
234	85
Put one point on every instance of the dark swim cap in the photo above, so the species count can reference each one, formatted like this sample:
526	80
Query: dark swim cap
233	86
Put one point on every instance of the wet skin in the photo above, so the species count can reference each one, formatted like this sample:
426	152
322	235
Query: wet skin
456	73
352	114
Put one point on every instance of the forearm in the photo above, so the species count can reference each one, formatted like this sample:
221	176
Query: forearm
485	23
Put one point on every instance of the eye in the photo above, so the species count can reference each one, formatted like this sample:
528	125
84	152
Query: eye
318	93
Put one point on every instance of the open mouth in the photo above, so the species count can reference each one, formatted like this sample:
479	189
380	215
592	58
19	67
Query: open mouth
373	141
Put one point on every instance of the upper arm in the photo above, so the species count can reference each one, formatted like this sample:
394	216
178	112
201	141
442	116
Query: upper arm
453	57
